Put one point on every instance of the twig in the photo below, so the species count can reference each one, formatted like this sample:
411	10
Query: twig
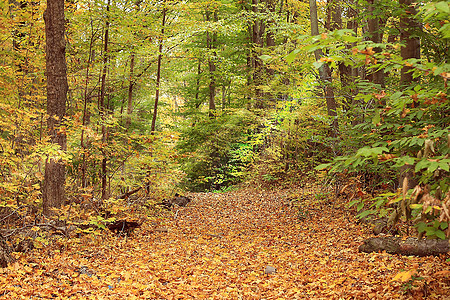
63	231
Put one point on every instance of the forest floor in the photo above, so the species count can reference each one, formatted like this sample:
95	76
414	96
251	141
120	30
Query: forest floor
246	244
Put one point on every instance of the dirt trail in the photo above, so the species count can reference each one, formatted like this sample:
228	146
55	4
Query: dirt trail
219	246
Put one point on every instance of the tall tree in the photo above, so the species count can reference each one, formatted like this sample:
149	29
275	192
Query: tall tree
376	21
101	102
57	86
347	73
158	70
409	29
211	41
324	71
130	94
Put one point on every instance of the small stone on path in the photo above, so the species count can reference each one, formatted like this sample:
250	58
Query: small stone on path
162	229
269	270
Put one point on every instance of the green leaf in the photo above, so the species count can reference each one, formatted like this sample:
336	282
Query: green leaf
421	227
318	64
350	38
360	206
367	152
443	6
430	231
323	166
416	206
445	164
365	214
421	165
404	160
265	57
377	118
291	56
440	234
352	203
433	166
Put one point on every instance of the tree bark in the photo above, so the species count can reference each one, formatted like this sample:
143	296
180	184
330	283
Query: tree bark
410	246
348	74
211	40
324	73
57	87
197	84
5	253
102	107
375	23
130	94
86	114
411	49
158	70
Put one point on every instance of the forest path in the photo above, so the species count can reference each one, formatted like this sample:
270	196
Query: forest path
218	247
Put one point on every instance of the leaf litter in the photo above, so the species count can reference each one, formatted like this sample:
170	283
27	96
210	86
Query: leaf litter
245	244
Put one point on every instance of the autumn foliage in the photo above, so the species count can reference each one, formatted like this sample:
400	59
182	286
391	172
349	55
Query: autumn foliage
219	246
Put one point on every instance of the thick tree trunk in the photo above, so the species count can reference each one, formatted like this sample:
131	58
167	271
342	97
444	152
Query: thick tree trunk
270	38
324	73
56	70
158	70
375	23
410	246
408	28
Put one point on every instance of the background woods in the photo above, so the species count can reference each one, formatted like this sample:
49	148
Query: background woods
121	103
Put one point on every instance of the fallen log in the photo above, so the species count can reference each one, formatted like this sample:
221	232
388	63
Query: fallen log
176	200
123	226
129	193
410	246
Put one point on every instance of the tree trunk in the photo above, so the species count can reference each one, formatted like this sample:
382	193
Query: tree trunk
375	23
410	246
270	38
5	253
347	73
158	70
211	40
257	31
197	84
83	139
324	73
408	27
102	107
56	70
130	94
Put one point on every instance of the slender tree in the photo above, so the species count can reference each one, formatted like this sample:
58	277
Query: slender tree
158	70
57	86
347	73
130	93
211	41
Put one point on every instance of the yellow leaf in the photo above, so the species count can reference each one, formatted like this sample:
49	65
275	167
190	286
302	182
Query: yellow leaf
28	269
404	276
